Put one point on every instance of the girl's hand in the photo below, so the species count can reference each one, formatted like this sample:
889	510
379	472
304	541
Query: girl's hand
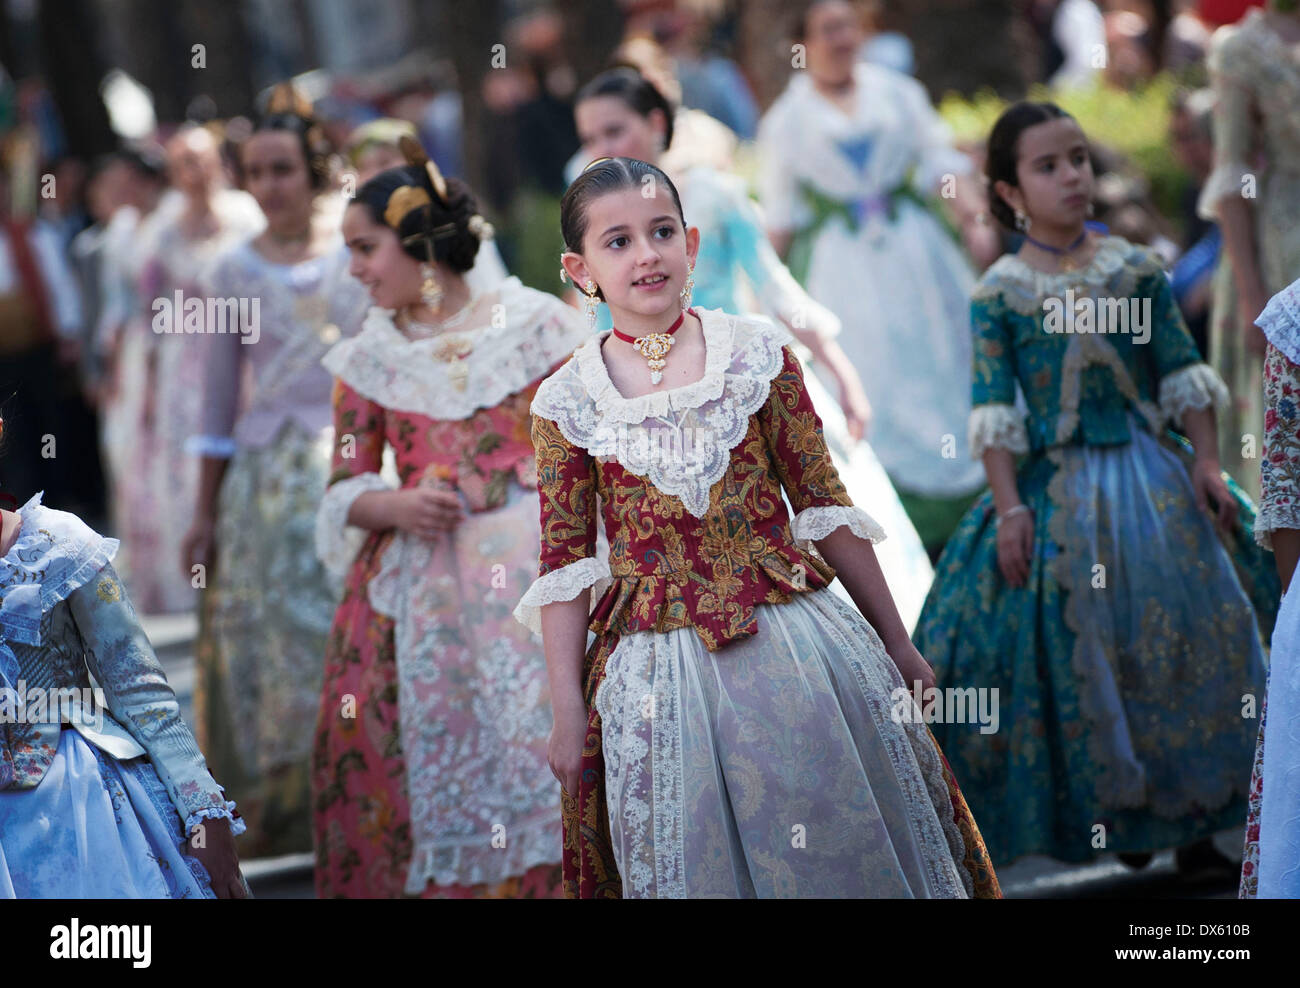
426	511
568	737
912	666
219	857
1212	494
196	547
1016	547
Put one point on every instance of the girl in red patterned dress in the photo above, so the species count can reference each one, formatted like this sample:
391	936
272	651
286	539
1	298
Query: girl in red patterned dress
734	730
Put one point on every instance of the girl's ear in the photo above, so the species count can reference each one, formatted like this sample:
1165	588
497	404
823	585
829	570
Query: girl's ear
576	268
692	243
1010	194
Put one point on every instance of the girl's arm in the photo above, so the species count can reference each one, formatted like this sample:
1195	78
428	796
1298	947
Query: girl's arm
1278	524
564	640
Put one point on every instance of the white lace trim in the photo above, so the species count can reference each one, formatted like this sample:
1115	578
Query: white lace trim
517	334
564	583
461	861
237	825
1280	321
337	542
1270	517
1192	387
815	523
681	439
996	426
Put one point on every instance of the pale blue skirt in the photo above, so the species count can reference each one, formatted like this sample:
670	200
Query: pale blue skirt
95	828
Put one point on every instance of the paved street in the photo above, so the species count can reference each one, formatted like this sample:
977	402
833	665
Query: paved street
1033	877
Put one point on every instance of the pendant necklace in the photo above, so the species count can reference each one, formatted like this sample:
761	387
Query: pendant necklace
655	346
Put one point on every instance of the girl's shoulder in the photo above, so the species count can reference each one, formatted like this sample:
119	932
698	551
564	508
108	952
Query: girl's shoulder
1114	260
55	553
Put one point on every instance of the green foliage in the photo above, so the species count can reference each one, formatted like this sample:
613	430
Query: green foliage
1134	123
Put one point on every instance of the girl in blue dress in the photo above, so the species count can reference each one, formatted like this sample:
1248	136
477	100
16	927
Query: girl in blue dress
1106	586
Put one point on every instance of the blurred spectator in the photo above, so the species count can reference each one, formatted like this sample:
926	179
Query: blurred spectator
708	80
1073	35
1191	135
886	47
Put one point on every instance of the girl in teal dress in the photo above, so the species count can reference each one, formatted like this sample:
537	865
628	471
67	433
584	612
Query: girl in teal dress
1106	586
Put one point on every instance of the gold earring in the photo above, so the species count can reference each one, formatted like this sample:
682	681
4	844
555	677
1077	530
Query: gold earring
1022	222
430	291
688	288
591	303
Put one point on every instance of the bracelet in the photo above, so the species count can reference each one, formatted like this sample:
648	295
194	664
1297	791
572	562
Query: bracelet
1019	509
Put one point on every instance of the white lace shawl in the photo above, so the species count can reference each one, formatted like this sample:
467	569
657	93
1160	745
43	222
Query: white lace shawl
680	439
518	335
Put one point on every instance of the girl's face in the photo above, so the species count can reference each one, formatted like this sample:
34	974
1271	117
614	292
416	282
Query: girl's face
834	35
192	162
636	251
378	261
1055	175
609	128
276	175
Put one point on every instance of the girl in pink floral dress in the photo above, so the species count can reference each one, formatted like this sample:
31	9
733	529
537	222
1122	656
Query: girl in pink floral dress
429	773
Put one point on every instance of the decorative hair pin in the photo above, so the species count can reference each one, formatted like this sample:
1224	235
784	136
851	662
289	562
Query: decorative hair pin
285	98
402	200
415	155
596	161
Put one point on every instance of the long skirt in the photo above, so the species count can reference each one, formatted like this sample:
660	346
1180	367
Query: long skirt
434	721
95	828
1127	669
261	651
777	766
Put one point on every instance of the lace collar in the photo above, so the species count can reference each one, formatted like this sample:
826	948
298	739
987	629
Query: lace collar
55	553
719	341
517	334
680	439
1023	287
1280	321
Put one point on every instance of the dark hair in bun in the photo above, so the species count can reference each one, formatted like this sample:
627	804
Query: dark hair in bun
636	91
438	231
1004	150
288	111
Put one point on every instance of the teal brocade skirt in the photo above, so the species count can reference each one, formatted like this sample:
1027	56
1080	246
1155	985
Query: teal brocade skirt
1129	669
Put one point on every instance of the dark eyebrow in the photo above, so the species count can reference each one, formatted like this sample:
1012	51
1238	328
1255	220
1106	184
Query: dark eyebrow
614	229
660	219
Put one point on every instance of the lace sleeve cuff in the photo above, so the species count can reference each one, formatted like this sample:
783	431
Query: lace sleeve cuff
815	523
996	427
218	447
337	542
564	583
237	825
1224	181
1192	387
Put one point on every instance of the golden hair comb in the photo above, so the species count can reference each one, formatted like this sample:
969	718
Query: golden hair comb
415	155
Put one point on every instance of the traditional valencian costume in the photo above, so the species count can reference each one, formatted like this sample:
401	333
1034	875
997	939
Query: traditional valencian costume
267	607
94	802
1122	664
437	784
740	736
1271	864
852	188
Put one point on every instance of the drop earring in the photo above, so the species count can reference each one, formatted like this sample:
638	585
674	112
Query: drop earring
591	302
431	292
688	288
1022	222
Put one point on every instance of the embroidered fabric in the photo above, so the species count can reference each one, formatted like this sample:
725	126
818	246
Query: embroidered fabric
680	439
996	426
815	523
564	583
337	542
1270	517
517	333
681	811
1023	288
1280	321
1192	387
54	554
